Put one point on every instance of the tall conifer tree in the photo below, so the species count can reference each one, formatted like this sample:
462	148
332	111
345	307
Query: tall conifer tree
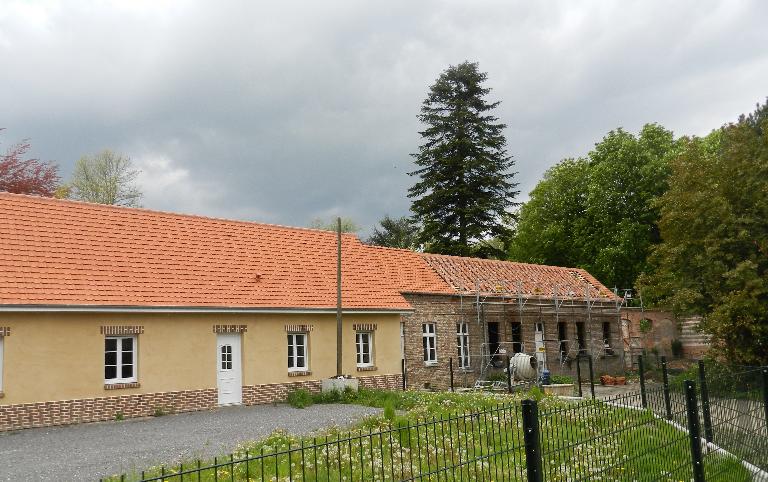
465	184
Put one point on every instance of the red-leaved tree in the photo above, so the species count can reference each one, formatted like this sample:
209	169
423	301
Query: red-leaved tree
27	176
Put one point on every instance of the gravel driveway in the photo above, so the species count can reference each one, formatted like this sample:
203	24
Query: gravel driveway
90	451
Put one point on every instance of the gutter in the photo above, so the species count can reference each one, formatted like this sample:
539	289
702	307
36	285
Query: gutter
50	308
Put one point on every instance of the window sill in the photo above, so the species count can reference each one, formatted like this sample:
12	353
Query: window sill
298	373
370	368
120	386
2	394
430	363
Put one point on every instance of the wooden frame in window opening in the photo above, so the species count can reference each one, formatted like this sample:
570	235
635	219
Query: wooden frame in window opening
364	349
298	353
462	345
120	360
429	343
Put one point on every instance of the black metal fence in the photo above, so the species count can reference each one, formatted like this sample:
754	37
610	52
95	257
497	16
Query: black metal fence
707	427
735	415
484	445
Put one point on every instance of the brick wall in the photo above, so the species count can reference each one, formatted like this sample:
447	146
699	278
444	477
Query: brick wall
446	311
664	328
63	412
99	409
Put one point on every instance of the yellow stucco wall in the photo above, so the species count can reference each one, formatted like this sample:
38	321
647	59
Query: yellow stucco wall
60	356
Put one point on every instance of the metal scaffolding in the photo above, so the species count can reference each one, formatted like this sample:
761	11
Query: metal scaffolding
506	300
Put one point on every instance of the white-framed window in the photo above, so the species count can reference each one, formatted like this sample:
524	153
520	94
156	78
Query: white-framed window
462	344
2	338
297	352
429	342
120	359
364	348
225	357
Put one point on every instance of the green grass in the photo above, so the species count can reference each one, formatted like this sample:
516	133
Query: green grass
478	435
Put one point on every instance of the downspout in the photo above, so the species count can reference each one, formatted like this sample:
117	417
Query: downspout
338	298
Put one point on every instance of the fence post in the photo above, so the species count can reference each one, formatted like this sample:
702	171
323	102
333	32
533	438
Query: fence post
641	369
509	377
531	440
578	373
402	362
450	370
765	394
705	402
591	378
665	378
694	431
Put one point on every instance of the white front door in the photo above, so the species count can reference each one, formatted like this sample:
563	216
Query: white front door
229	372
541	350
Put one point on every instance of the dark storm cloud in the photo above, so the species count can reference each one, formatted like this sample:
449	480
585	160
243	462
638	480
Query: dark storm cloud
288	111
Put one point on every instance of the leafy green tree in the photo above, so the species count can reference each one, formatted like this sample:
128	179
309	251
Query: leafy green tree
105	178
400	232
597	212
714	224
347	225
465	185
552	225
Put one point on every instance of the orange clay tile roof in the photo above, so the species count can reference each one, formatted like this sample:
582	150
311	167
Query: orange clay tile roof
507	277
409	272
55	252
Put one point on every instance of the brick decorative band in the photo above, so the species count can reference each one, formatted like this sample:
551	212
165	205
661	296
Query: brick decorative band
364	326
382	382
118	386
64	412
299	374
121	330
230	328
5	331
276	392
100	409
299	328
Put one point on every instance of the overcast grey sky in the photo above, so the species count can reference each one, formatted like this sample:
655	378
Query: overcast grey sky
286	111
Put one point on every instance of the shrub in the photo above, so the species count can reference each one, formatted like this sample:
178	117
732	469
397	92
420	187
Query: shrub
497	377
349	395
300	398
331	396
556	379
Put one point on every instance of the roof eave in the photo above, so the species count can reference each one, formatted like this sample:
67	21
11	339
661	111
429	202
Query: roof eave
59	308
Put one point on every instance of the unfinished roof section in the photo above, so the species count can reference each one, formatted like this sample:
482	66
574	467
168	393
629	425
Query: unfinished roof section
58	252
489	277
